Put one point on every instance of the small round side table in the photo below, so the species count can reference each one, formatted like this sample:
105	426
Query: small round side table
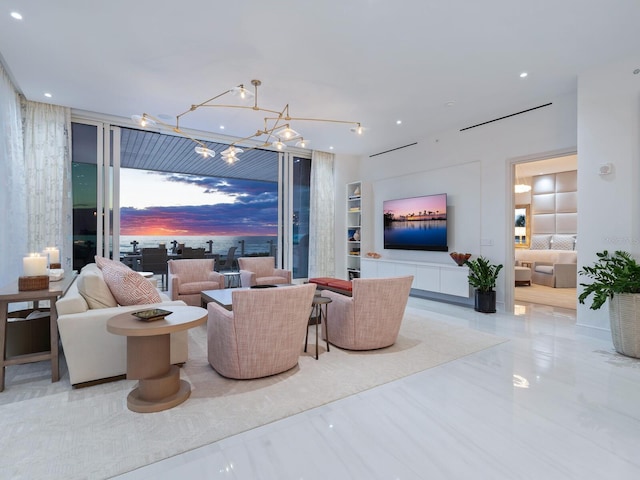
317	313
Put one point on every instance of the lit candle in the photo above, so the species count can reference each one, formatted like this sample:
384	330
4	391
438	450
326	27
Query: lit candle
34	265
54	254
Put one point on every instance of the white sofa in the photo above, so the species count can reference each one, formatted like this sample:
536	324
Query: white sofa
91	352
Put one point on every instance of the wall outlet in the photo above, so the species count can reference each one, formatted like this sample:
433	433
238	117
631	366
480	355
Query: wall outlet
486	242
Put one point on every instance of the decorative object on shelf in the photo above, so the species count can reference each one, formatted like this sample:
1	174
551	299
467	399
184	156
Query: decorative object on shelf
483	276
373	255
356	192
356	235
616	278
460	258
277	127
35	273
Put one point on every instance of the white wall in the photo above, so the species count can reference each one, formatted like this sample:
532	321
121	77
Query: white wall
609	206
484	152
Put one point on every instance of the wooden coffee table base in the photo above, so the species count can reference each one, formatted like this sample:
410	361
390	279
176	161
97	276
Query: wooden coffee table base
151	394
159	384
149	357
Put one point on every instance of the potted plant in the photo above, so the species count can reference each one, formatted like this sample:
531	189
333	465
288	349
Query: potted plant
616	277
483	276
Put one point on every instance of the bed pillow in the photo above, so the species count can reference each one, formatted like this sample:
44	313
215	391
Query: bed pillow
563	242
129	287
540	242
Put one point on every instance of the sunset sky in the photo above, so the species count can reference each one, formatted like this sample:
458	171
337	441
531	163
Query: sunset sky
414	205
156	203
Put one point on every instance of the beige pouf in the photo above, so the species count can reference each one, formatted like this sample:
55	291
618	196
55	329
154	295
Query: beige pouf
523	276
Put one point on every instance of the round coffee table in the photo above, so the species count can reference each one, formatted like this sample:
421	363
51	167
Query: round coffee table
148	357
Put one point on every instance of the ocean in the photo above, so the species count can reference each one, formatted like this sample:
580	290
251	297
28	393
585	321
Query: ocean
221	244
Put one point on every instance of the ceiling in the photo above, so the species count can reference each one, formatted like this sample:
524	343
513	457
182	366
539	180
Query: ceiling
434	65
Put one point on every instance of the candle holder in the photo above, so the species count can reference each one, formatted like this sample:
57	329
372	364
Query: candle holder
39	282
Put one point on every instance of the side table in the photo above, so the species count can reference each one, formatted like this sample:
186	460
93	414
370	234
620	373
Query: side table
231	279
317	313
148	357
11	294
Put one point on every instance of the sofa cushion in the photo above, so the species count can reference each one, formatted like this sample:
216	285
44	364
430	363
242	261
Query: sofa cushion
540	242
129	287
321	280
93	288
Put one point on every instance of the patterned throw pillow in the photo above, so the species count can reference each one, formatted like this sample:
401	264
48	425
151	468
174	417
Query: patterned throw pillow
563	242
102	261
129	287
540	242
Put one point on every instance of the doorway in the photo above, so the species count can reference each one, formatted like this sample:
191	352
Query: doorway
545	209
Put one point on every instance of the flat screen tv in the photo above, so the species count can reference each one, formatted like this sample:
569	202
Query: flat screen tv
417	223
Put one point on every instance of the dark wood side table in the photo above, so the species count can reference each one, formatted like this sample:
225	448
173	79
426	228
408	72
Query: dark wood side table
11	294
317	314
148	357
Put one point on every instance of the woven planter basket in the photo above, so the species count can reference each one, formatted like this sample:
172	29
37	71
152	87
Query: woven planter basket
624	314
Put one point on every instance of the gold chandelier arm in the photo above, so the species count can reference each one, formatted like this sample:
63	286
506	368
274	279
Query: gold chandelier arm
303	119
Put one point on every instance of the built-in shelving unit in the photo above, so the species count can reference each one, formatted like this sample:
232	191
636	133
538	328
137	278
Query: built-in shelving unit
354	229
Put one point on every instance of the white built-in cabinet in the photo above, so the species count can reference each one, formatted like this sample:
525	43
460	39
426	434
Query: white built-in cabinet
430	277
354	229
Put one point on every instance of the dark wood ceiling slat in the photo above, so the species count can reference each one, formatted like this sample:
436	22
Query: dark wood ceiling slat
146	150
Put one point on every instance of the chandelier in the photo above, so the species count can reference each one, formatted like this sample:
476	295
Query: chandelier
276	131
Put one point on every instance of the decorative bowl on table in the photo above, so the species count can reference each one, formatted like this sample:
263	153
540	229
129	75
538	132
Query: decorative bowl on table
460	258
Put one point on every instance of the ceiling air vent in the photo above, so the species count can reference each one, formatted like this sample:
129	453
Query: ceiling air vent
507	116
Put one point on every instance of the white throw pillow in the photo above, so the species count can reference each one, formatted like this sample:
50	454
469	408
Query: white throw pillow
92	287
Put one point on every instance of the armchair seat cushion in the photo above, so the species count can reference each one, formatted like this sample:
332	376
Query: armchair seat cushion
548	269
270	280
197	287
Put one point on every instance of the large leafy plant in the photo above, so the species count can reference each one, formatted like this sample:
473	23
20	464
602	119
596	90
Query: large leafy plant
482	274
611	274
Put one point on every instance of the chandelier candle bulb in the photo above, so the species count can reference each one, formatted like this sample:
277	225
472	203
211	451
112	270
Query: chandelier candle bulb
34	265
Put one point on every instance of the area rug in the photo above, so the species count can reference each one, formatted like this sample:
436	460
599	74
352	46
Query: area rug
50	430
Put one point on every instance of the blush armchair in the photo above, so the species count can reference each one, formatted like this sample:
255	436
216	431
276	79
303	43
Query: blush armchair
263	334
261	271
371	317
188	278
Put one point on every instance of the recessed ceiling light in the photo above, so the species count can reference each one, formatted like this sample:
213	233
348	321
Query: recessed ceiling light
523	74
16	15
48	95
398	122
450	103
330	148
221	127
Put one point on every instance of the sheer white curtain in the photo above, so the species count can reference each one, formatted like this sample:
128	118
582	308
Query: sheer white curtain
322	216
13	198
47	144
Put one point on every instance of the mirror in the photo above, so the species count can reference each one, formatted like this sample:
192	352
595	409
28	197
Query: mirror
522	227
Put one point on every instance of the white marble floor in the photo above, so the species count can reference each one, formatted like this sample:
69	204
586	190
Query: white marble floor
549	404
